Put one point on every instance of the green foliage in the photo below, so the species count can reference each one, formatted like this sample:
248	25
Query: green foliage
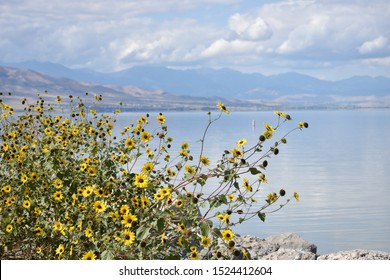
70	189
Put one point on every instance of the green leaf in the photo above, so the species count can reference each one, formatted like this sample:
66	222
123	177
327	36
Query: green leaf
204	228
223	199
217	232
160	224
107	255
261	216
173	257
104	222
202	179
254	171
142	233
215	203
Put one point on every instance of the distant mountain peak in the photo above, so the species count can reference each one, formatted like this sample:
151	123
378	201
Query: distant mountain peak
226	83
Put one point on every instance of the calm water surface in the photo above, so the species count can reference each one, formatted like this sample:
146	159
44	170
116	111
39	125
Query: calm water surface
340	166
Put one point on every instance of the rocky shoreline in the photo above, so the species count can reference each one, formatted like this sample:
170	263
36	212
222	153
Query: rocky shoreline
290	246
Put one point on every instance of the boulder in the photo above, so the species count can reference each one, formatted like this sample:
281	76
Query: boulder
286	246
356	255
292	241
256	246
290	254
290	246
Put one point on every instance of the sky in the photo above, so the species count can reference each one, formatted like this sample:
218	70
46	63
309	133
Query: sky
327	39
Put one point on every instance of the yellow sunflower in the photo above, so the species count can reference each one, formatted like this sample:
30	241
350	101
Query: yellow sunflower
99	206
26	204
9	228
161	119
179	203
223	108
60	250
130	143
141	181
89	256
145	136
194	255
237	152
57	196
227	235
241	142
148	167
128	220
205	241
128	237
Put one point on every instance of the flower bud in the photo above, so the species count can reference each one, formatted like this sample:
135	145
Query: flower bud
262	138
265	163
276	151
282	192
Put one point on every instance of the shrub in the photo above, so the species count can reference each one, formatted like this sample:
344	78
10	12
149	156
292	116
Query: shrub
71	189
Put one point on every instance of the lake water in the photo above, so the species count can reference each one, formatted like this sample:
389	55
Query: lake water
340	166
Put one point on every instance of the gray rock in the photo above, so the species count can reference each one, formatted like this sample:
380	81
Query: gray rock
290	254
287	246
356	255
292	241
256	246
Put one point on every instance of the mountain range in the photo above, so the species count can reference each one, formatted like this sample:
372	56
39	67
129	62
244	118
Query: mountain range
198	88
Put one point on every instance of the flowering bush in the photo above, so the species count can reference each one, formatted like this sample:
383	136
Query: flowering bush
71	189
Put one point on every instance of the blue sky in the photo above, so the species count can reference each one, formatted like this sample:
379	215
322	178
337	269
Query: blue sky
324	38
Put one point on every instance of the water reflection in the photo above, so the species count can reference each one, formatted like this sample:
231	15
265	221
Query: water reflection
340	166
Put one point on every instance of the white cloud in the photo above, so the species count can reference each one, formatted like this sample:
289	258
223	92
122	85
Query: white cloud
170	42
327	30
288	35
244	36
101	36
372	46
249	28
234	47
383	61
306	35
